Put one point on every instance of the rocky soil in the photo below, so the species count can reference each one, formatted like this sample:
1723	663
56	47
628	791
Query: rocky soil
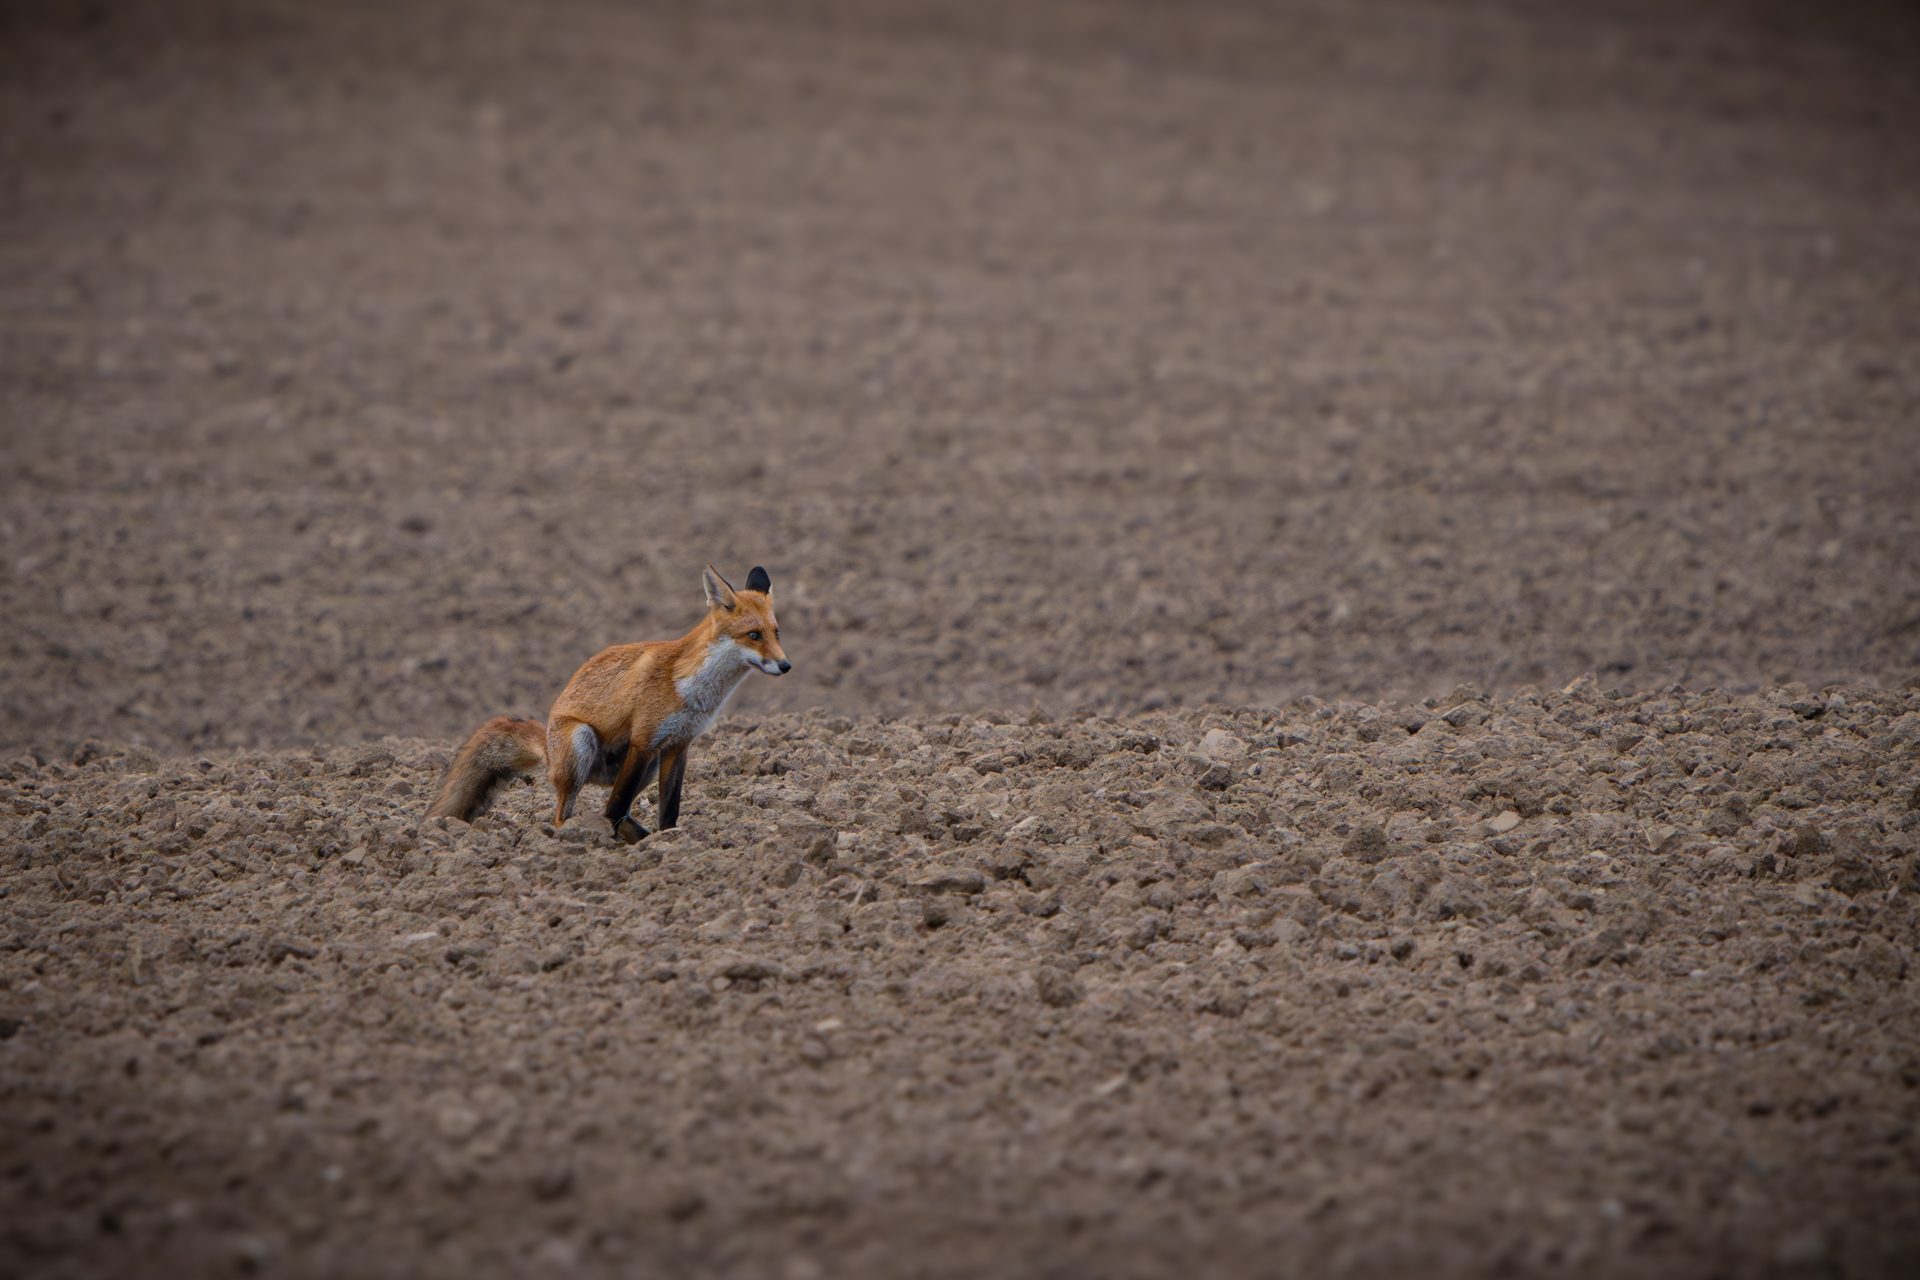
1258	404
1569	981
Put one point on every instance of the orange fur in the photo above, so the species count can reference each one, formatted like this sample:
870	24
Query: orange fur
629	712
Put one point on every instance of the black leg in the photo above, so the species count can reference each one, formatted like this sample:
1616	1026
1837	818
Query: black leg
634	774
673	773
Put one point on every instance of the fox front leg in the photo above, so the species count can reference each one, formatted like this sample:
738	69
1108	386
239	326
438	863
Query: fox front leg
638	770
673	771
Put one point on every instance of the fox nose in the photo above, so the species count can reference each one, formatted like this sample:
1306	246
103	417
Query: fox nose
785	666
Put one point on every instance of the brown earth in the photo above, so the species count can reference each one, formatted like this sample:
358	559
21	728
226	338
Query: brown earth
1082	372
367	366
1566	982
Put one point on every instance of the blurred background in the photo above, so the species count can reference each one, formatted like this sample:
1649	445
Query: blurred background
364	367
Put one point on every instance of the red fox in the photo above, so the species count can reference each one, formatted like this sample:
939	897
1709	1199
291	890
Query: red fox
630	713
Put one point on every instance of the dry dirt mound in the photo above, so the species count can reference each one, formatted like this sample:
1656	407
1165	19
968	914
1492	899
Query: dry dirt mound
1620	984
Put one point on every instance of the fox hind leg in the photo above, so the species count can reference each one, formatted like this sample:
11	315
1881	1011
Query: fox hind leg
574	749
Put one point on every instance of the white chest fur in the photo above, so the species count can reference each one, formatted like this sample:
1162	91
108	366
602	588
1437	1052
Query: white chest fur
703	693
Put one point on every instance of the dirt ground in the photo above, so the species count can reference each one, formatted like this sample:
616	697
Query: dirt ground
1201	452
1567	982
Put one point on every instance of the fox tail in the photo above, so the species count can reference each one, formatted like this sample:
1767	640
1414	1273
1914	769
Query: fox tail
499	751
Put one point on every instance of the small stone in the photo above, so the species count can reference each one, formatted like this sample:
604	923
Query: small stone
1147	930
1411	719
281	948
371	762
1853	874
1055	987
750	971
1602	944
1503	822
1429	742
1044	905
1368	844
1241	882
1579	687
684	1204
1224	999
552	1183
456	1121
961	880
723	928
1804	841
1221	747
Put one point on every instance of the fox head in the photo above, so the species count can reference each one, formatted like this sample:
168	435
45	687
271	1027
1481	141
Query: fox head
746	619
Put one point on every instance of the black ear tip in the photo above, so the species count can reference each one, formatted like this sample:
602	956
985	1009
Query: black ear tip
758	580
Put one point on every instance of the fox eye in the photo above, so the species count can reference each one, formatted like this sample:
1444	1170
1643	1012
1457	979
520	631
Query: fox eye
753	635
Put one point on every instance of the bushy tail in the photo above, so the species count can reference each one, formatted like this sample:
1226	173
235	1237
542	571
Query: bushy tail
500	750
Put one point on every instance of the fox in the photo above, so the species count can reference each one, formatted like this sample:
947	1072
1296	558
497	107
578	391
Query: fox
628	715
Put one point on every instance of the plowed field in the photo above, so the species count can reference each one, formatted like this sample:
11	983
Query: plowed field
1352	579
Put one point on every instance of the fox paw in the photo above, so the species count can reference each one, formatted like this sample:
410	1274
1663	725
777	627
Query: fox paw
630	831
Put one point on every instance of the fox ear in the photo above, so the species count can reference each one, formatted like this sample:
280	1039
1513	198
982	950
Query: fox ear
719	594
758	580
